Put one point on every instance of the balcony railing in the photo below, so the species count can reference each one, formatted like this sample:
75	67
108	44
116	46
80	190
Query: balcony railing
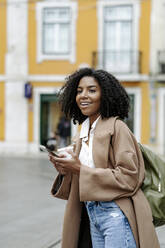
161	62
120	62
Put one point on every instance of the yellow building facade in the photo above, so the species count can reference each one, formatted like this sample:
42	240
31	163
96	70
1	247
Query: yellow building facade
67	35
86	42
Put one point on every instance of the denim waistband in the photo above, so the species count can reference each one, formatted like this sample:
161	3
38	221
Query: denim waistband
91	203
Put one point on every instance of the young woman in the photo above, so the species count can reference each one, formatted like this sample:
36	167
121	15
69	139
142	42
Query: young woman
102	179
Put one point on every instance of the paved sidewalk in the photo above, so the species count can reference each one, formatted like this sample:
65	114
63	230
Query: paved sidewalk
30	217
161	235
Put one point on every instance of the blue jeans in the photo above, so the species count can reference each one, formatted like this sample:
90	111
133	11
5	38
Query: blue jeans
109	226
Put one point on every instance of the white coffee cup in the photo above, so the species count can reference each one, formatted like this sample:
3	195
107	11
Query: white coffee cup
64	151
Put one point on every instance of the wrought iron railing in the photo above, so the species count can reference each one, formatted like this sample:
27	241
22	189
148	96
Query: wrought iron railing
120	62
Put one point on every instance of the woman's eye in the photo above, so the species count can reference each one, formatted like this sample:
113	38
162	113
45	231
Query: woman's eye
79	91
92	91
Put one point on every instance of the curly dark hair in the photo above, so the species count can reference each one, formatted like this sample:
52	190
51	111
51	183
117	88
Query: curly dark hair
114	98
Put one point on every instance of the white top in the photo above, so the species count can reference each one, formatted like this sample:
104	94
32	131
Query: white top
86	155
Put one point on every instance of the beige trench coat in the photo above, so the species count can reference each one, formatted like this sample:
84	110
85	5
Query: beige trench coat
118	176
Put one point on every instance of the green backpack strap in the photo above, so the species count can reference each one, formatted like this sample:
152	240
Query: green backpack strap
154	184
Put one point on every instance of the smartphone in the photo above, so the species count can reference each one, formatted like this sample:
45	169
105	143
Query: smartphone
45	149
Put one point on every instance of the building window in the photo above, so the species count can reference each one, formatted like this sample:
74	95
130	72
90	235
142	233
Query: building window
56	27
56	30
118	37
118	42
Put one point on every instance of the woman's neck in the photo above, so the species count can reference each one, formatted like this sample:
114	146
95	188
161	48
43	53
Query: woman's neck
92	120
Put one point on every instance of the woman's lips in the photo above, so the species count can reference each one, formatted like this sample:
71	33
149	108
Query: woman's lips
84	104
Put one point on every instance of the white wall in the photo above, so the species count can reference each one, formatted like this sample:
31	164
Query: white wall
16	73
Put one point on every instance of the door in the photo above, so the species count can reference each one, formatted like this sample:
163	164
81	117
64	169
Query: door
130	119
44	121
134	118
49	111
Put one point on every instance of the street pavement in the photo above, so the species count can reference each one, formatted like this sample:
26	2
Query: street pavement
30	217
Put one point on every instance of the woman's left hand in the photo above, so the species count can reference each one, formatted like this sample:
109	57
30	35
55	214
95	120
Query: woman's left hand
71	164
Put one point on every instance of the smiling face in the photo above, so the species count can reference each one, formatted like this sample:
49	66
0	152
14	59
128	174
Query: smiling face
88	97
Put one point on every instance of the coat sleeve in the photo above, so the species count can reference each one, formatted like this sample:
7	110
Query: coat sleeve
99	184
61	186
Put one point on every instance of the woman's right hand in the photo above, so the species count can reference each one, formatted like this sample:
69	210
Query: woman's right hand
56	166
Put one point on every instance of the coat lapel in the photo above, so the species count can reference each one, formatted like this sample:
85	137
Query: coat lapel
101	141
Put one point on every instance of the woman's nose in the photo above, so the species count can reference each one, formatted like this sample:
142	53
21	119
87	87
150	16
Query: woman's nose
84	94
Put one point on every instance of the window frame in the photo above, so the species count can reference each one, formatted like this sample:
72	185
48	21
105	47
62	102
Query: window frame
71	56
101	5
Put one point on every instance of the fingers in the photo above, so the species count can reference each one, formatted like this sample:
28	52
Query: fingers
64	164
62	155
60	169
57	165
52	159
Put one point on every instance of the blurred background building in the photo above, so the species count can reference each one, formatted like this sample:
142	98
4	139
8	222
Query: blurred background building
44	41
